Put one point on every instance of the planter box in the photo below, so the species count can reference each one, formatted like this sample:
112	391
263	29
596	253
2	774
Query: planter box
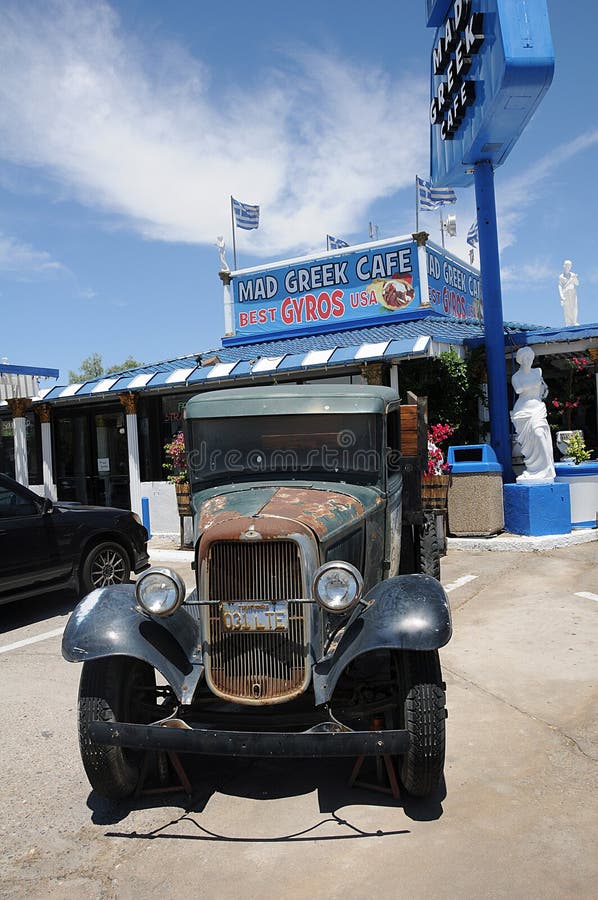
435	491
583	488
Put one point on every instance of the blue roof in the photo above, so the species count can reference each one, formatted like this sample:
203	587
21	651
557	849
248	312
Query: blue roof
440	328
325	350
36	371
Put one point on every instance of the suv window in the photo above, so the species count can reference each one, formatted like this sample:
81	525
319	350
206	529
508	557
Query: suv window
15	504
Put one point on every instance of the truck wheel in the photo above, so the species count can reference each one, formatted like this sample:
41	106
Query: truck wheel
429	551
422	712
114	689
106	563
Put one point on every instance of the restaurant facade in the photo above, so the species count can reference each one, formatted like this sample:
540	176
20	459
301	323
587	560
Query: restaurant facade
357	315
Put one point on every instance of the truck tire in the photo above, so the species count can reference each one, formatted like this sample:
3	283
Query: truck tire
422	712
111	691
429	550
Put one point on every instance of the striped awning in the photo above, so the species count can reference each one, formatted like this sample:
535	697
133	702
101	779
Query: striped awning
262	368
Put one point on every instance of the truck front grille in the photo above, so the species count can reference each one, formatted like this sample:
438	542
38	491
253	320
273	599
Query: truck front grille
254	667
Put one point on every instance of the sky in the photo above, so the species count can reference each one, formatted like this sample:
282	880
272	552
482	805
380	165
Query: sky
126	126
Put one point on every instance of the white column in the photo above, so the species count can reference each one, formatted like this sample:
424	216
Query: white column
229	320
20	442
49	486
422	265
134	467
394	378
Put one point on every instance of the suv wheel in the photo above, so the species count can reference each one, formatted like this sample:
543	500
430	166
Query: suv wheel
106	563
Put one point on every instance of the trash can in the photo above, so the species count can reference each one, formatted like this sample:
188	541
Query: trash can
475	497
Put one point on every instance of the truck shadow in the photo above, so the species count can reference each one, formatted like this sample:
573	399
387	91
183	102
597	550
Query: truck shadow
267	779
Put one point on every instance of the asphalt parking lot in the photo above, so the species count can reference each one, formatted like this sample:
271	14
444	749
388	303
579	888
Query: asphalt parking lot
516	818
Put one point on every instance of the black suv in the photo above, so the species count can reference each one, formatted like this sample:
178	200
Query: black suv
45	545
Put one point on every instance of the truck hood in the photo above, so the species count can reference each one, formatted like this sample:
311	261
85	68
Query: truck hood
324	509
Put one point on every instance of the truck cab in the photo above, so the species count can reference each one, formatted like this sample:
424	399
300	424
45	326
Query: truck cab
308	633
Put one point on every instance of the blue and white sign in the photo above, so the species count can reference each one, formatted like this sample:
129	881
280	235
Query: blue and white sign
362	285
454	288
492	62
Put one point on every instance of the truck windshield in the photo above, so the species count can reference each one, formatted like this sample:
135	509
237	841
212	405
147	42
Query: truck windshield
325	447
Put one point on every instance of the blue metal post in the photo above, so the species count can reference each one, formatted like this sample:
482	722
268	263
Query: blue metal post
145	516
500	433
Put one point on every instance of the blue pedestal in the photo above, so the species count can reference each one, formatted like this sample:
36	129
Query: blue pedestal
537	508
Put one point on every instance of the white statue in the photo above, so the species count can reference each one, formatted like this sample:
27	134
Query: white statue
529	418
224	266
568	284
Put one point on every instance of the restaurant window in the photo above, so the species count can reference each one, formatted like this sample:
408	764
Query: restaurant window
34	449
7	448
33	440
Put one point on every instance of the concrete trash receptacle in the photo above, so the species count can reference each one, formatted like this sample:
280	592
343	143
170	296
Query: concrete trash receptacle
475	497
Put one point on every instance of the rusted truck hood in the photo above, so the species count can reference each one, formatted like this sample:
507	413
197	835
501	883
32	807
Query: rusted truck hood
323	508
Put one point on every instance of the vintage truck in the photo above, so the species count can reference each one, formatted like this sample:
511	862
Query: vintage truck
311	631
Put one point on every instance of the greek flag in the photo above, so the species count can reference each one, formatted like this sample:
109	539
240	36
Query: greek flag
432	198
333	243
472	234
246	216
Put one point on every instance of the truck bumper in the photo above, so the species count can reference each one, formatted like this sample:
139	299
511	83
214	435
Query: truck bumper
305	744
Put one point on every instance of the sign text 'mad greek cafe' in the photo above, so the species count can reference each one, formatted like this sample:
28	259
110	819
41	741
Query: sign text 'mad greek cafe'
372	283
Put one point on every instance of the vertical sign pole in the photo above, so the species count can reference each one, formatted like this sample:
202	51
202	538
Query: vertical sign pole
500	434
416	206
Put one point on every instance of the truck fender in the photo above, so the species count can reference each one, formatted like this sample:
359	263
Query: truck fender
407	612
108	622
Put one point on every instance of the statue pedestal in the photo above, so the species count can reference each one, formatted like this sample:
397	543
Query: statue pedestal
537	509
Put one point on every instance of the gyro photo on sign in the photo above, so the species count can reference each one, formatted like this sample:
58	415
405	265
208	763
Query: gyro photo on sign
396	293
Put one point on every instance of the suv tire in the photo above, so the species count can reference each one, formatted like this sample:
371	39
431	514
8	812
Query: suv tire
106	563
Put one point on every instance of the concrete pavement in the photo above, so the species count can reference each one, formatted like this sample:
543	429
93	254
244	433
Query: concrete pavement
517	817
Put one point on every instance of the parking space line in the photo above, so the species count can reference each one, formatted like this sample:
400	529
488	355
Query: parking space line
32	640
587	595
465	579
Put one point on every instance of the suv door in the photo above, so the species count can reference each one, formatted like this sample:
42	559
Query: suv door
24	540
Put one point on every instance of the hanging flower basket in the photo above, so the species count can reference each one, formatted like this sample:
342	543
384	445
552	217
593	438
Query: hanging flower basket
183	498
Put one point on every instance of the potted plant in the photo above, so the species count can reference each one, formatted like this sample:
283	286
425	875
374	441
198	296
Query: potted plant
576	448
580	472
176	465
435	480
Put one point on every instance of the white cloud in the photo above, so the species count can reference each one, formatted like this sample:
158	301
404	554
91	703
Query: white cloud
533	275
144	133
521	191
515	195
24	261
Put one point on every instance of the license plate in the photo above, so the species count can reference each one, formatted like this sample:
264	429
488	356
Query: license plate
255	615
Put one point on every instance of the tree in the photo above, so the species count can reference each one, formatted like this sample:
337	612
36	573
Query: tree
92	367
452	386
129	363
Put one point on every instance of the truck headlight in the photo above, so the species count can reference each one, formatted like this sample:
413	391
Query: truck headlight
159	591
337	586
